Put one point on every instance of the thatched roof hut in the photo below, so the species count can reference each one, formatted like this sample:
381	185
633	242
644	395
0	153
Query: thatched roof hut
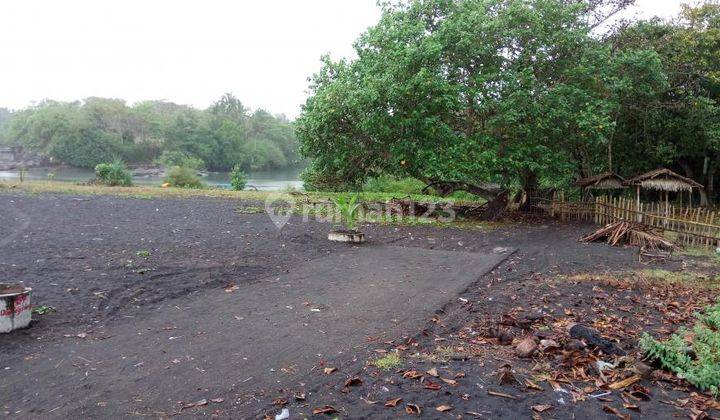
604	181
663	180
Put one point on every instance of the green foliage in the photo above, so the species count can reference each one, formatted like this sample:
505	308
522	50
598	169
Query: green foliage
674	354
183	177
43	309
143	253
23	173
94	131
348	206
390	184
171	158
113	174
238	178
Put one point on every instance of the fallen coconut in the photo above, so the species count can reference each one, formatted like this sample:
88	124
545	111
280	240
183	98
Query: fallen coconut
527	347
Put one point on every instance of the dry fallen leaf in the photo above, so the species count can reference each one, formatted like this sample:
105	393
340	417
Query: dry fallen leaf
431	385
329	370
542	407
328	409
412	374
625	382
532	385
413	409
615	412
433	372
393	402
353	382
449	381
443	408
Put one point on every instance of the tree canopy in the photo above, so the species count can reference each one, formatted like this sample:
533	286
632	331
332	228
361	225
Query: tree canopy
100	129
520	93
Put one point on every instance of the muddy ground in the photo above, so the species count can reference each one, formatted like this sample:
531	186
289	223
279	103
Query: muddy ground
110	264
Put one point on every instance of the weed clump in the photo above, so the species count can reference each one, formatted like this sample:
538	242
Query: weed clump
183	177
113	174
693	355
391	361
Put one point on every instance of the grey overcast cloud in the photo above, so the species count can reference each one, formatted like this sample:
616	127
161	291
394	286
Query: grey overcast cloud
188	52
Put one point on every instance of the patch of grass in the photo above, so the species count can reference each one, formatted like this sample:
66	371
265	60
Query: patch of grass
391	361
683	277
648	277
143	253
250	210
701	253
694	354
148	191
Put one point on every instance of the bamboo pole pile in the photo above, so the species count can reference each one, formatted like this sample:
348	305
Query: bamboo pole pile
630	233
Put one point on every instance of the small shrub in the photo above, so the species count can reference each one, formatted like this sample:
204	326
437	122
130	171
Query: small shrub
113	174
391	361
144	253
23	174
674	354
348	206
238	178
183	177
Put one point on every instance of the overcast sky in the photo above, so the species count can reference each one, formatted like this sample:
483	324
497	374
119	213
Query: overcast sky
188	52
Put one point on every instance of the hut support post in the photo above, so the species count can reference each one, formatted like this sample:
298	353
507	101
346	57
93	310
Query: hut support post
637	204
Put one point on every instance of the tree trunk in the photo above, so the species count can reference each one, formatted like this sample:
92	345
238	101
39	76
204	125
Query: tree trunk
710	184
529	190
495	195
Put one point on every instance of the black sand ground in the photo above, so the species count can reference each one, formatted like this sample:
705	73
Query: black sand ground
137	336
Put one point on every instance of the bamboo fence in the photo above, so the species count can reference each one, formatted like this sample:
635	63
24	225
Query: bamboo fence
694	227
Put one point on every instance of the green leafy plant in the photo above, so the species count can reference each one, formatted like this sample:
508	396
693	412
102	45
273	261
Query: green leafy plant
23	173
51	176
697	361
238	178
348	206
183	177
113	174
43	309
144	253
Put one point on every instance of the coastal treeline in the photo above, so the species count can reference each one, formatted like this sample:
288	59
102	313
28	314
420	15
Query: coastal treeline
492	96
97	130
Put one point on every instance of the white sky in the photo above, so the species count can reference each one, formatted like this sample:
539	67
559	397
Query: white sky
188	52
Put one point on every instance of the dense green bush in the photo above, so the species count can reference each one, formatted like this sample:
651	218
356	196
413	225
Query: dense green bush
170	158
183	177
238	178
698	361
113	174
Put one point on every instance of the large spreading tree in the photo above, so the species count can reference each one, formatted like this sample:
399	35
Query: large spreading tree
491	95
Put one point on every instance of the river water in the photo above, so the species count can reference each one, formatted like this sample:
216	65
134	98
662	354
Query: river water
275	180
